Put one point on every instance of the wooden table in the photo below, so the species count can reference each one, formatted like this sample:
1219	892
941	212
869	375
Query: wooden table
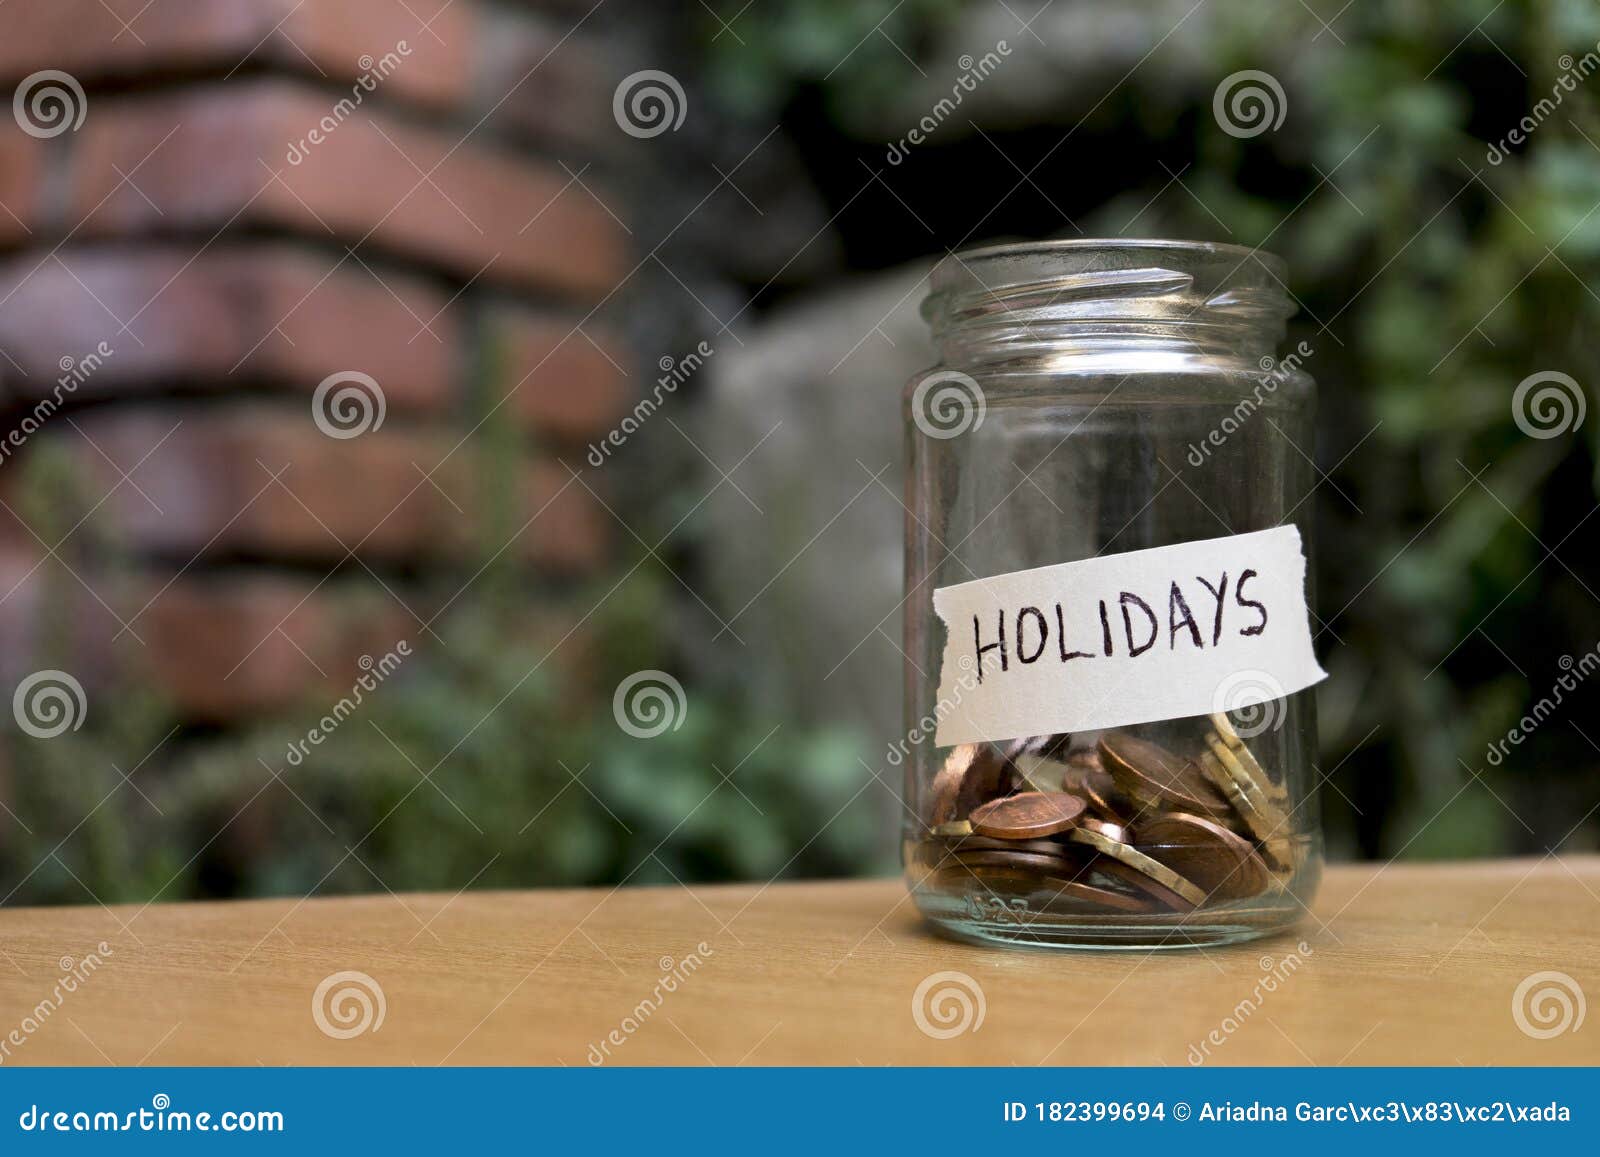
1405	964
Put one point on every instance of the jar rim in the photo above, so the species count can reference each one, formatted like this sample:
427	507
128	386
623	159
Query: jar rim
1070	245
1039	297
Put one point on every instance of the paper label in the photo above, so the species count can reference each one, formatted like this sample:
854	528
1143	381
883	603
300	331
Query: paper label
1166	633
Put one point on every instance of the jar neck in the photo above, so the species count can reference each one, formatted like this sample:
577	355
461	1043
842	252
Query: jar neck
1112	305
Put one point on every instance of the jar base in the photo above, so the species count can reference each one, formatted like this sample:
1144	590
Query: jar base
954	919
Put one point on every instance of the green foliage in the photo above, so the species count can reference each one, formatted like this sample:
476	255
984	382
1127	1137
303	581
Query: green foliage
472	762
491	756
786	45
1434	277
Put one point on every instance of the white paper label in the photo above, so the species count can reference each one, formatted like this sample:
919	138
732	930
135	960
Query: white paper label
1165	633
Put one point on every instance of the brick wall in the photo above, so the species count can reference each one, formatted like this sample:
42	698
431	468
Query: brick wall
218	237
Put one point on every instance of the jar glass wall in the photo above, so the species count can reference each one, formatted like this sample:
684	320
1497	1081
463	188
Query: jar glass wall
1097	398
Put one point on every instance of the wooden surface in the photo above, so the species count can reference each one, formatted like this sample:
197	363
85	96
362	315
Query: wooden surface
1415	964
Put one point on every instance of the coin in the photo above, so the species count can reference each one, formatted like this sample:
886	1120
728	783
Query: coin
1073	894
1131	866
1027	816
1225	731
1087	777
953	829
1158	780
1243	766
1091	895
1040	863
972	773
1264	818
1105	829
1276	791
1221	863
1284	855
1043	847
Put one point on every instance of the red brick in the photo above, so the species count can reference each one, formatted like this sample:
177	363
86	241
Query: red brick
226	647
88	39
480	211
21	185
563	384
200	485
234	314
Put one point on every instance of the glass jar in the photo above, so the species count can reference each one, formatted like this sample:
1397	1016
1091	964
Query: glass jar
1117	752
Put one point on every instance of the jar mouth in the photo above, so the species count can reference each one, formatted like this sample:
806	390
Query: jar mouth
1070	245
1013	299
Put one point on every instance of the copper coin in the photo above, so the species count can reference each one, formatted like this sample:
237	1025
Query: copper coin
1039	863
1158	780
1044	847
972	774
1127	864
1087	777
1105	898
1220	862
1028	816
1011	880
1072	892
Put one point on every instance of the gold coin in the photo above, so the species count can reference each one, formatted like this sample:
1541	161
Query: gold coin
1125	862
1264	818
1239	760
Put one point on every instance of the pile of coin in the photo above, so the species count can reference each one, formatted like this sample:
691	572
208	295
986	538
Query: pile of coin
1122	826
